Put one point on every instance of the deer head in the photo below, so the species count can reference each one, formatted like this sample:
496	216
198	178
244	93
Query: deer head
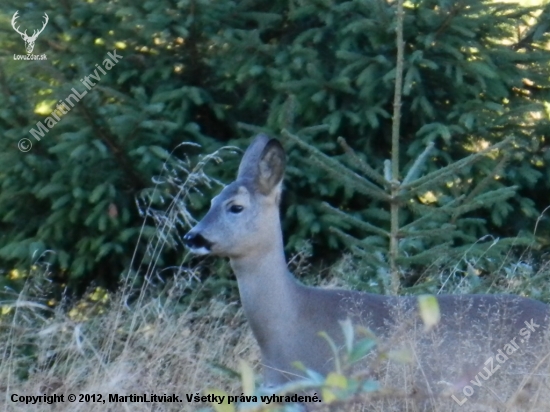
243	220
29	40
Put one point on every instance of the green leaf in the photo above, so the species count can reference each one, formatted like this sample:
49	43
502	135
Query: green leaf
333	381
223	407
428	308
247	378
361	349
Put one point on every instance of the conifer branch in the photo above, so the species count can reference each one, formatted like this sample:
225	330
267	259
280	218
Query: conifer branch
426	255
444	230
313	129
250	127
358	246
484	200
346	217
348	240
387	170
485	182
437	175
335	168
356	182
360	164
414	171
289	111
431	213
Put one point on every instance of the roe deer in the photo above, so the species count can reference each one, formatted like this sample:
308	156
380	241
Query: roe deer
286	317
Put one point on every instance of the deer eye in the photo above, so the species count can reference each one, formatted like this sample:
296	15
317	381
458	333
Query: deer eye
235	209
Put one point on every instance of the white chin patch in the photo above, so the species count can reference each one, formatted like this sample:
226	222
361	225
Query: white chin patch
200	250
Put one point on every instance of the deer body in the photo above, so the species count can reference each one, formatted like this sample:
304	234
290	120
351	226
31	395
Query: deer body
285	316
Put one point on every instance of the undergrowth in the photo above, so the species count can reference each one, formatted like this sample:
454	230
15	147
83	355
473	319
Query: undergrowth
172	335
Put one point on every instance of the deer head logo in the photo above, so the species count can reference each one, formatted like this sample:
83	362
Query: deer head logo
29	40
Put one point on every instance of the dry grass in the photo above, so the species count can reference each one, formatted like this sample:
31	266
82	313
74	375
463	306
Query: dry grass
153	346
150	347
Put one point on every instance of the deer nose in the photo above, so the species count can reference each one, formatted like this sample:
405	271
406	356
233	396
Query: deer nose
196	241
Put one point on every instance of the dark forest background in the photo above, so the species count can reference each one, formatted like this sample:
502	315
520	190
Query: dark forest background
211	72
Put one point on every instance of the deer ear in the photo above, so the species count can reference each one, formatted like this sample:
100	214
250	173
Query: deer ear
271	167
249	162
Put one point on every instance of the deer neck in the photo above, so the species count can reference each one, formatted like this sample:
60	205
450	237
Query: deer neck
268	291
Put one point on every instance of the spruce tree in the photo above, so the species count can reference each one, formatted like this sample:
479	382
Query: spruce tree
475	72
